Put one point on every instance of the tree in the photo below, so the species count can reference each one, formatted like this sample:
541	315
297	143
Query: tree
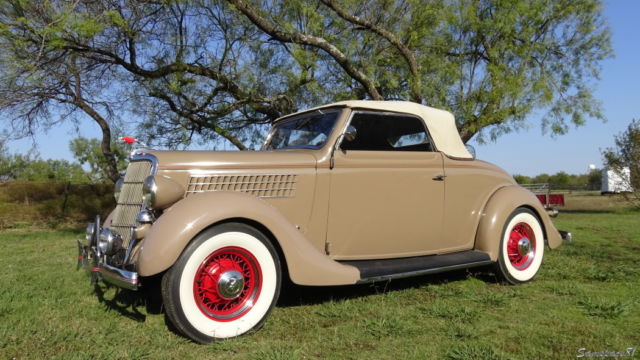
41	79
626	153
560	180
89	152
224	70
27	167
594	179
542	178
522	179
490	63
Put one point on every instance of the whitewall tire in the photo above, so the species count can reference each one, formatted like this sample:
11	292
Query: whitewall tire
521	247
224	284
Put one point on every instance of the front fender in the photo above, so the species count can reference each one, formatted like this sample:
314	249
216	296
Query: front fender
501	204
171	233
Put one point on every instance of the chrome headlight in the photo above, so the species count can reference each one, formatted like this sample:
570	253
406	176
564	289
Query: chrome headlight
89	235
118	188
149	191
109	242
160	192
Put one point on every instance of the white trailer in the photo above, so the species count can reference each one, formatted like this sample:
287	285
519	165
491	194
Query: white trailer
614	182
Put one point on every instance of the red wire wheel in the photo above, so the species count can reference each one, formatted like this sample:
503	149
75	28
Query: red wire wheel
227	283
521	247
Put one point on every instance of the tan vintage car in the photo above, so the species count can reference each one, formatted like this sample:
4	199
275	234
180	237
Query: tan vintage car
346	193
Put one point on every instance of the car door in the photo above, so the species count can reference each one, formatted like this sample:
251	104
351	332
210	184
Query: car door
387	193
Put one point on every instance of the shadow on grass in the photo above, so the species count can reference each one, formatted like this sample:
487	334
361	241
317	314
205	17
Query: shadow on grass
583	211
128	303
295	295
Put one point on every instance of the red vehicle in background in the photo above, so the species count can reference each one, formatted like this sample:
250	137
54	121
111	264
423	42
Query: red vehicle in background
549	200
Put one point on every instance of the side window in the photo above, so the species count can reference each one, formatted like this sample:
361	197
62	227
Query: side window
384	132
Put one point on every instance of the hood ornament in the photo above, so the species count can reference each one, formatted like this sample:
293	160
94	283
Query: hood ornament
138	147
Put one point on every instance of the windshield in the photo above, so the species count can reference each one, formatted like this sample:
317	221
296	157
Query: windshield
307	132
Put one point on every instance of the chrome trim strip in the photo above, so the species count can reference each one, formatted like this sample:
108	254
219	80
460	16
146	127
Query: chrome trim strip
244	190
130	202
241	182
149	157
132	243
423	272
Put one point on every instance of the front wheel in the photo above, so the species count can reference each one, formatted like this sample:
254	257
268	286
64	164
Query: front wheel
225	283
521	247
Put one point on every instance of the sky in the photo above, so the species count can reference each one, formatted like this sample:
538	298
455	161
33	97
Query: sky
527	152
532	153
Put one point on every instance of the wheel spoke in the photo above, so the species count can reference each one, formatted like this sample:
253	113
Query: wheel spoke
209	278
521	232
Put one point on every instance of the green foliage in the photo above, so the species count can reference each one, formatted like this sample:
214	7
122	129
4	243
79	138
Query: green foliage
564	181
87	27
44	83
594	179
52	203
559	180
89	152
626	153
522	179
31	168
213	72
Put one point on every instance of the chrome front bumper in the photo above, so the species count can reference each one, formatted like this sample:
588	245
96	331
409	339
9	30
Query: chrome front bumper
566	236
95	263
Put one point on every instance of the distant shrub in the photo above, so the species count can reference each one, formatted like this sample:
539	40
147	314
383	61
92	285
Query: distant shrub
53	203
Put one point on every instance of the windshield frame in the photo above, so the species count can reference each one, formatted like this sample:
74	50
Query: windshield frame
297	117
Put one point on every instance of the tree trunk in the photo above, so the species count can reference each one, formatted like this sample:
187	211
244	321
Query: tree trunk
112	165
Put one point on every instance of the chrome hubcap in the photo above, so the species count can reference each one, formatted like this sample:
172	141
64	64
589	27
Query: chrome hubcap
230	284
524	246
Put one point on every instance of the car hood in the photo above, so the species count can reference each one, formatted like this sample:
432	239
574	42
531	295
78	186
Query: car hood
185	160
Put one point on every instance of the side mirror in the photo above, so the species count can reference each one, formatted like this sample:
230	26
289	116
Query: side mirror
351	133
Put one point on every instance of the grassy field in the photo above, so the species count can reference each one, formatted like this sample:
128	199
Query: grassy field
587	295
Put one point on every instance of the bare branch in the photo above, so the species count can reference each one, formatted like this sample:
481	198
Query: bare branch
197	120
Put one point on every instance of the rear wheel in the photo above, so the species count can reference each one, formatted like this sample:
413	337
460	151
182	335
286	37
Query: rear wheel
521	247
225	283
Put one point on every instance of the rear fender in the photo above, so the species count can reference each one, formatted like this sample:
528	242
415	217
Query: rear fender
180	223
501	204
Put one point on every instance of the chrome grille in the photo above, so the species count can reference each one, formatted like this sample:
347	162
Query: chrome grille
130	200
264	186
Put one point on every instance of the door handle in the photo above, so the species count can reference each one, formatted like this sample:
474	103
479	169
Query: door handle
439	177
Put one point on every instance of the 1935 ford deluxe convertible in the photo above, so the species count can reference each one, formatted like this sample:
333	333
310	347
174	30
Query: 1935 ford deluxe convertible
351	192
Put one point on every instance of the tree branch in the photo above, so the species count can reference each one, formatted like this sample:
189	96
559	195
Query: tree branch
310	40
197	120
258	103
407	54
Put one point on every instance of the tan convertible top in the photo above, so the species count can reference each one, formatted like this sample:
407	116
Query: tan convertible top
441	124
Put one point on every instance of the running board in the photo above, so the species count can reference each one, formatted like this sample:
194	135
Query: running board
386	269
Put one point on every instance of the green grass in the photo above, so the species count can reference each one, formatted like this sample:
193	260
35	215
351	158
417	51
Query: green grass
587	295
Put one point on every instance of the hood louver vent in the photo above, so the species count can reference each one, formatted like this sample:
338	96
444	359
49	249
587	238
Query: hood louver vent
263	186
